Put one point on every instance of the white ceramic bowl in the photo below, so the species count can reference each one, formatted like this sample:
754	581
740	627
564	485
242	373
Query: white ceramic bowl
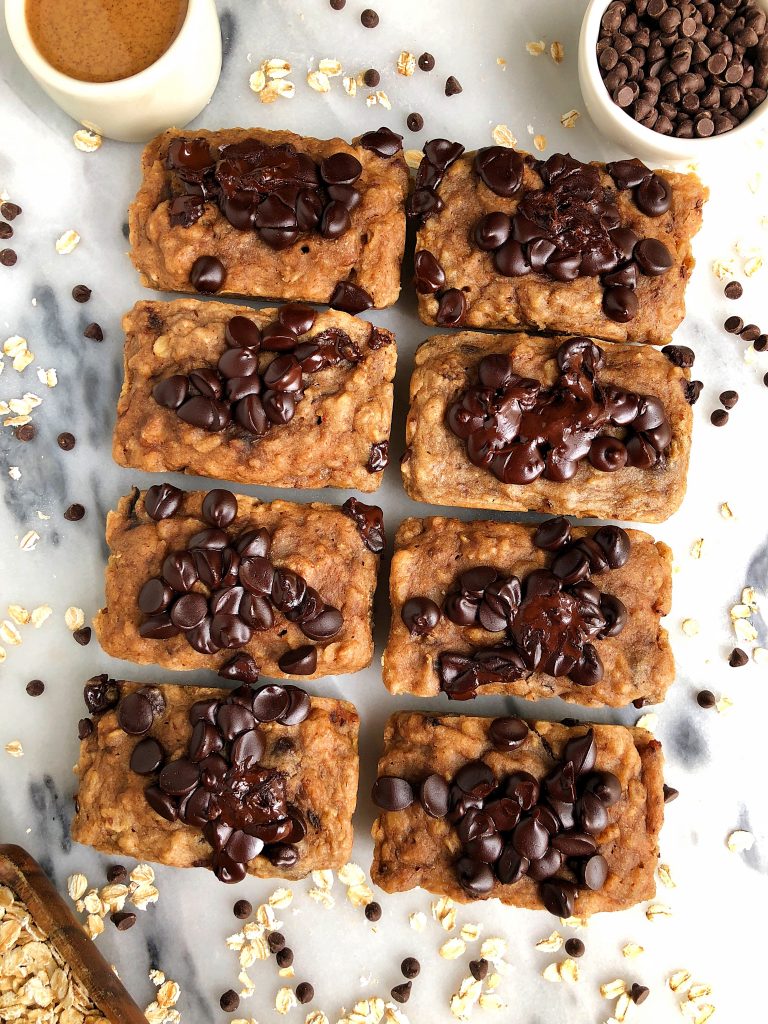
635	138
169	93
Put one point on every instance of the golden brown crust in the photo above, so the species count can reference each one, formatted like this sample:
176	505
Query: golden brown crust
346	409
317	541
438	471
413	849
431	553
536	301
318	758
370	252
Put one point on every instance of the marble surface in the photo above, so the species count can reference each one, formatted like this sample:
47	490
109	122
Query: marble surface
716	760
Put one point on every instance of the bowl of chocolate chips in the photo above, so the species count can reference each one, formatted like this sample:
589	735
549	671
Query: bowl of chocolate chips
676	80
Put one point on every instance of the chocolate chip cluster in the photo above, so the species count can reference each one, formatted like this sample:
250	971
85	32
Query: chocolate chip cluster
520	430
369	520
236	393
218	784
549	619
691	70
515	826
220	588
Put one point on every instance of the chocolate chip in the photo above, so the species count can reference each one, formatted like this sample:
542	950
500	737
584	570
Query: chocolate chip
135	714
35	687
85	728
558	896
74	513
737	658
82	636
378	459
275	940
117	874
434	795
9	210
8	257
750	333
66	441
392	793
81	293
415	122
719	418
426	61
338	5
507	733
123	920
6	231
369	18
350	298
452	86
229	1001
729	398
402	993
670	793
371	78
305	992
420	615
706	699
302	661
26	432
384	142
219	507
733	290
639	993
207	274
575	948
734	325
552	534
679	355
479	969
692	390
162	501
369	520
410	968
284	957
373	911
147	756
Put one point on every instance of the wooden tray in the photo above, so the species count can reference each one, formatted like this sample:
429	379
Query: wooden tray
24	876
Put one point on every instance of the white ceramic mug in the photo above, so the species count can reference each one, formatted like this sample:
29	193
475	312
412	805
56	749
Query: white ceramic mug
169	93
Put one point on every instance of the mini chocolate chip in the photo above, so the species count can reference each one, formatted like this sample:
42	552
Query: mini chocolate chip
402	993
229	1001
26	432
574	947
284	957
93	332
426	61
670	793
734	325
452	86
639	993
373	911
369	18
738	658
117	874
719	417
761	343
35	687
750	333
733	290
479	969
371	78
82	636
207	274
706	699
305	992
729	398
415	122
74	513
81	293
338	5
9	210
679	355
66	441
8	257
6	231
85	728
123	920
410	967
243	910
276	941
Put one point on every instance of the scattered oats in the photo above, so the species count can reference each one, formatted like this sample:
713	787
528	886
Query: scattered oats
444	911
551	944
569	118
696	548
726	512
276	67
699	990
492	982
491	1002
413	158
47	377
168	994
463	1001
313	1017
724	705
760	656
248	986
15	345
741	611
350	85
690	627
318	81
613	989
739	841
351	874
40	614
648	721
679	980
94	926
86	141
753	265
14	473
156	977
281	898
744	630
631	951
471	932
569	969
383	99
551	972
22	361
453	949
275	89
330	67
503	136
17	421
367	1011
360	895
322	896
656	911
74	617
406	63
493	949
287	972
67	242
323	879
257	81
9	634
142	873
540	142
92	903
143	894
417	921
501	62
557	52
704	1013
19	614
265	919
622	1007
394	1015
77	886
665	876
29	540
724	269
535	48
574	922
